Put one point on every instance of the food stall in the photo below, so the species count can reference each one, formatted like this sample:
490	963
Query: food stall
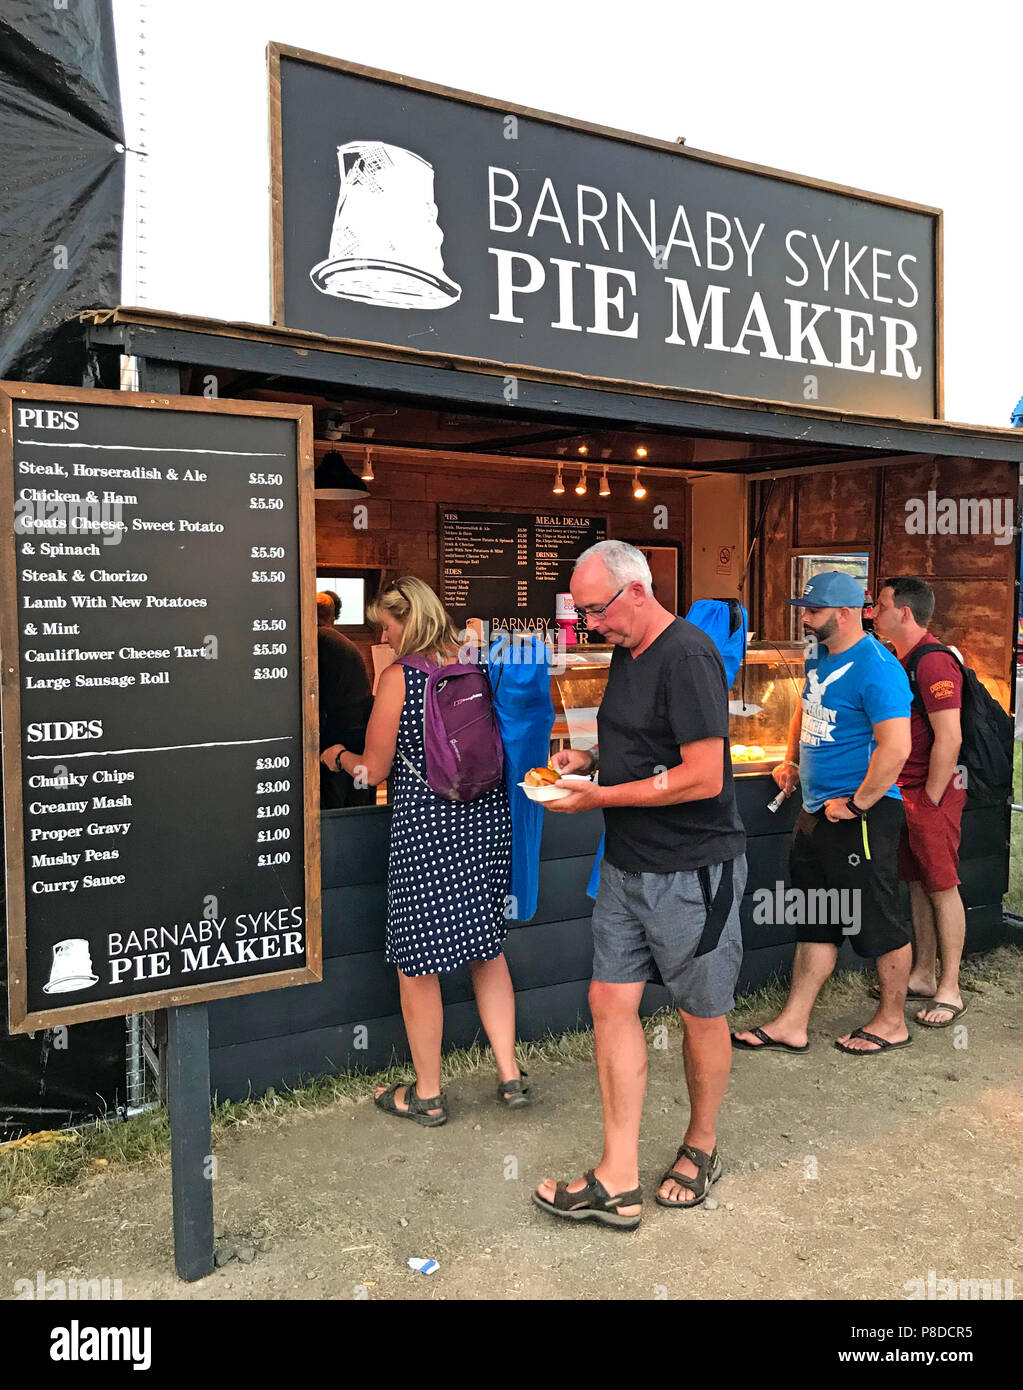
520	371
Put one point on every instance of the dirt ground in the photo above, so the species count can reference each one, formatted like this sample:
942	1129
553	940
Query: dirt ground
844	1178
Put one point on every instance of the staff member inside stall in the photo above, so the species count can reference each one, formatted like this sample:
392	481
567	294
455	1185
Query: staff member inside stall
345	704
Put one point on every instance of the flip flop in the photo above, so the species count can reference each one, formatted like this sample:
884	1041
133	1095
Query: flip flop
875	993
883	1044
765	1045
937	1004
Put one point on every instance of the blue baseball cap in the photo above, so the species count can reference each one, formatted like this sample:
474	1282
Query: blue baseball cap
832	589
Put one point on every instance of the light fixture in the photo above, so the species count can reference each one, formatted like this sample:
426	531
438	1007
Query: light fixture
335	480
580	487
367	466
559	485
605	453
638	490
641	452
605	486
583	449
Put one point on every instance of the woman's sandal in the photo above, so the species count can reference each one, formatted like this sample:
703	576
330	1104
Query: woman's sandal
709	1170
418	1108
594	1201
513	1093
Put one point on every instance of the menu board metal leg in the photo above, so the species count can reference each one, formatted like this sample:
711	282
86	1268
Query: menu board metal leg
188	1104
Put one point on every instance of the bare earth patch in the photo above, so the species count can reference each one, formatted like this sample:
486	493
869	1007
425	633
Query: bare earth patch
844	1178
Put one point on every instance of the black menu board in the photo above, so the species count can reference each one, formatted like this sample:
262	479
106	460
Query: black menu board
508	567
159	701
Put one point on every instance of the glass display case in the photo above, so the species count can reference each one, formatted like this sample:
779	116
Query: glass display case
576	693
759	710
761	704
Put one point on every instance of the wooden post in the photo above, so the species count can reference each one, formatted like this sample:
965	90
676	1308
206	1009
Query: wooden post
188	1105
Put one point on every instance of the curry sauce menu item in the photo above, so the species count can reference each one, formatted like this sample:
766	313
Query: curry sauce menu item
155	633
508	567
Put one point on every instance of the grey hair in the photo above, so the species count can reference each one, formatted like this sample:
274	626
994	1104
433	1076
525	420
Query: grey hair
623	562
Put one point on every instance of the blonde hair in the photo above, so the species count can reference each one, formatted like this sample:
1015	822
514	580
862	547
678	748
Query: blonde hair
427	628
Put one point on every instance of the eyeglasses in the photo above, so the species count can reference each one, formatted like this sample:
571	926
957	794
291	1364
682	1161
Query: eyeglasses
587	613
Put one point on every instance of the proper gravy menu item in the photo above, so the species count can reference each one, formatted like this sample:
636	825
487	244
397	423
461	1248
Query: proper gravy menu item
508	567
159	716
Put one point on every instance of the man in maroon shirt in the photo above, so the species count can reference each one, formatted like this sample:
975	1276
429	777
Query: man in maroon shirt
933	797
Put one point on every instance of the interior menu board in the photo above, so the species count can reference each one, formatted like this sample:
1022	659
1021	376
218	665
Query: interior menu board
507	567
159	701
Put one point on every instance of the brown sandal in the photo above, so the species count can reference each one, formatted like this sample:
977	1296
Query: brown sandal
513	1093
594	1201
418	1108
709	1169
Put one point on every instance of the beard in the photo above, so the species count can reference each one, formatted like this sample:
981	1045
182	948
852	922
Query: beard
825	632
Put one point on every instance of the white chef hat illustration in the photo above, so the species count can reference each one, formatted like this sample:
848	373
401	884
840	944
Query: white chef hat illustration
385	243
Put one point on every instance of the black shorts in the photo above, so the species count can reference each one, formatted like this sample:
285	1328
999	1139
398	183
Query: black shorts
856	864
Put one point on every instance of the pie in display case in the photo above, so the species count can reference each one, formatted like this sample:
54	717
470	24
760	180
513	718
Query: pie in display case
761	703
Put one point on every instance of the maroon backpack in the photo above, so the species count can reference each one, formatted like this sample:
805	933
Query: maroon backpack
464	756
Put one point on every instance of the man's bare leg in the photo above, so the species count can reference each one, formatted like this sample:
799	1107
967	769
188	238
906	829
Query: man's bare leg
707	1056
950	916
889	1019
621	1070
925	941
813	963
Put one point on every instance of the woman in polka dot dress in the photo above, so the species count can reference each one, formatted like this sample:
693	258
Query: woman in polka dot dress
449	866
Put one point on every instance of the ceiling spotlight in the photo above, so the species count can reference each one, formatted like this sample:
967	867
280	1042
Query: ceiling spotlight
583	449
367	466
641	452
559	485
580	487
605	486
638	490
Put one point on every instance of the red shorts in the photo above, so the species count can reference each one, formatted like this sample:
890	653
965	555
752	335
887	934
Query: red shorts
929	848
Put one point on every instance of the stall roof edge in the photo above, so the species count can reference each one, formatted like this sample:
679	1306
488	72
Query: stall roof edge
183	339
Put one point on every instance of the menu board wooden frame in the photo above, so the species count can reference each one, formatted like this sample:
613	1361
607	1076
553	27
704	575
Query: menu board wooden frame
21	1021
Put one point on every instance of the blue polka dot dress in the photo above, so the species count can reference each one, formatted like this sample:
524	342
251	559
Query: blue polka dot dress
449	867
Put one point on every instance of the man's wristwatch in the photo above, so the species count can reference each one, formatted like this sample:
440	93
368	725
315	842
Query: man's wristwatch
337	759
596	759
856	810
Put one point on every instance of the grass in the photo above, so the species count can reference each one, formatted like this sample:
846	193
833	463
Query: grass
25	1174
1014	897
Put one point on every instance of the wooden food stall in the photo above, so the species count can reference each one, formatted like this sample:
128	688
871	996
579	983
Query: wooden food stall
552	343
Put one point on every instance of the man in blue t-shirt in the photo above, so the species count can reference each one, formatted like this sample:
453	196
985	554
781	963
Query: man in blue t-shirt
852	736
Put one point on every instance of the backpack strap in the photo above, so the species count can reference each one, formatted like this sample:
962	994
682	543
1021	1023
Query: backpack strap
916	657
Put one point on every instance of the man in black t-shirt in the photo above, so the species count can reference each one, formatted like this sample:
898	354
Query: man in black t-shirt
671	878
345	703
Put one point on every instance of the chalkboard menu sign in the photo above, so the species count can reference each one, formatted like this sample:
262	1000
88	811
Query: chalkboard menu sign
159	701
507	567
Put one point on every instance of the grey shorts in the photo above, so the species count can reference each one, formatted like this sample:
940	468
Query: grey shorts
648	927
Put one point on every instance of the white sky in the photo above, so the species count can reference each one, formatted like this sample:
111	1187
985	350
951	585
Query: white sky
911	99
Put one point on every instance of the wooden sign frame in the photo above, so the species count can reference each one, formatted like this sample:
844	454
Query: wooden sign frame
22	1021
276	51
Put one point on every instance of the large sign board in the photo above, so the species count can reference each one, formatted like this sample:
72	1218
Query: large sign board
159	701
421	217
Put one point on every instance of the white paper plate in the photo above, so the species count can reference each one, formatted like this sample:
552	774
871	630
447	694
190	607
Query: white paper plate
553	793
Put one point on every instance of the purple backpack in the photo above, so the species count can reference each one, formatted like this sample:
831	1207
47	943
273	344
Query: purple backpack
464	756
